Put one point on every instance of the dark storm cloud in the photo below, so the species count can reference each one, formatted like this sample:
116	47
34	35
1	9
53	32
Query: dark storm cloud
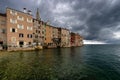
108	18
93	19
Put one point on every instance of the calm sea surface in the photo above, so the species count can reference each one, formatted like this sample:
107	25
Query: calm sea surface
90	62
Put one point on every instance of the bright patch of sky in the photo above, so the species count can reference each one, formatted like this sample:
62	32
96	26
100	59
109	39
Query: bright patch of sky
93	42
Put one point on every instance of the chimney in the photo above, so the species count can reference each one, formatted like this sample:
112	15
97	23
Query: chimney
48	22
24	10
29	12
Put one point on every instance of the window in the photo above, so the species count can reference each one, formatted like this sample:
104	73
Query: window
20	18
38	27
29	28
1	43
12	30
13	21
36	36
21	35
13	12
45	38
3	22
29	43
53	35
13	39
42	32
3	30
36	31
20	26
29	35
29	20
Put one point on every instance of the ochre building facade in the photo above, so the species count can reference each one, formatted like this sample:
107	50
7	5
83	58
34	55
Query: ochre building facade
19	29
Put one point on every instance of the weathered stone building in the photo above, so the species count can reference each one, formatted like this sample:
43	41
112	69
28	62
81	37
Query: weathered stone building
64	35
72	39
76	39
38	30
49	36
3	33
55	38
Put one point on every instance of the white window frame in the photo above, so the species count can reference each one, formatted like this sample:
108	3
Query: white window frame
12	28
14	21
20	18
21	35
29	28
29	36
13	39
20	26
29	20
13	12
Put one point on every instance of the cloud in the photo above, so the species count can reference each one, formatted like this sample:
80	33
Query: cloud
117	35
62	8
94	19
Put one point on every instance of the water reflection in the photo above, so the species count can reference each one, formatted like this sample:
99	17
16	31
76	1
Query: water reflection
21	55
72	52
80	63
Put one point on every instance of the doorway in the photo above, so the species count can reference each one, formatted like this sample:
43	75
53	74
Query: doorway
21	43
1	43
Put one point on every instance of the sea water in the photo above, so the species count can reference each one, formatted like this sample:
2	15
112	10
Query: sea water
89	62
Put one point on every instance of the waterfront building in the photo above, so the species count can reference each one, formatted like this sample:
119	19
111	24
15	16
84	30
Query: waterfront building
37	39
59	36
78	40
44	33
72	39
49	36
38	30
3	34
19	28
81	40
64	35
55	39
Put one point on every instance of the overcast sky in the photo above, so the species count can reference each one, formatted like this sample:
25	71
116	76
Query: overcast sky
95	20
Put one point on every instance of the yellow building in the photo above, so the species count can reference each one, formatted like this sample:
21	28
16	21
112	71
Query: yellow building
19	28
48	36
55	38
